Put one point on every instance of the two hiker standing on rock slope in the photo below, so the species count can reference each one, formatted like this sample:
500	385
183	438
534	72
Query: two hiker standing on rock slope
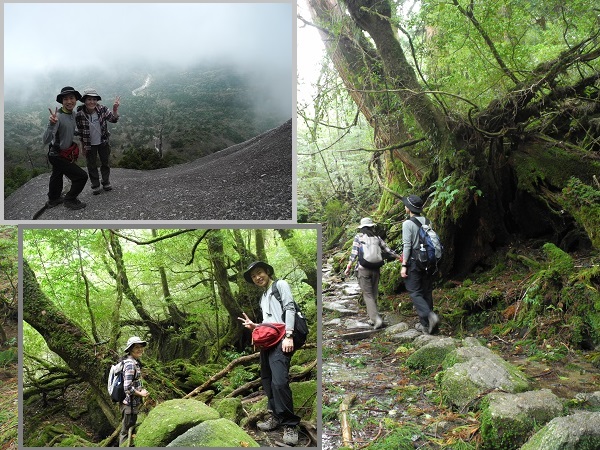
89	122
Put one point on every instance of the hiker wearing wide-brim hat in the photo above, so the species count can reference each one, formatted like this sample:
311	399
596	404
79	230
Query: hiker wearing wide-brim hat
90	93
368	272
366	222
66	91
132	385
267	267
275	361
133	340
418	282
413	203
63	152
92	122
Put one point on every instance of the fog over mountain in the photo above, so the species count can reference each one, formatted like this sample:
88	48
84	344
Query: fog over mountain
43	40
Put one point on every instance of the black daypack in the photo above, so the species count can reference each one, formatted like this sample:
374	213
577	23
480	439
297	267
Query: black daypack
430	248
300	324
369	252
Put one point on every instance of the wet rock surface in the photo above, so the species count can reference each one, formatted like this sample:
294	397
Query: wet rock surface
246	182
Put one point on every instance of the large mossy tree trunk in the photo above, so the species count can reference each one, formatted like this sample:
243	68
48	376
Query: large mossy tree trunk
65	338
499	171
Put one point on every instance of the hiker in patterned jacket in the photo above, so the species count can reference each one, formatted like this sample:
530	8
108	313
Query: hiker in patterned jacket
368	278
92	119
132	384
275	361
419	283
63	152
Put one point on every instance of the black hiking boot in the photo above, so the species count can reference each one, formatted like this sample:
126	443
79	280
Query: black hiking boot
74	204
55	202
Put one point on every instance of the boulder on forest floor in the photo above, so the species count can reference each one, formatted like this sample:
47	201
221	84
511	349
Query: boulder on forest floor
217	433
171	419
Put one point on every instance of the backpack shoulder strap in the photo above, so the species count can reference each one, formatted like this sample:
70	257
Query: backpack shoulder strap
275	292
416	221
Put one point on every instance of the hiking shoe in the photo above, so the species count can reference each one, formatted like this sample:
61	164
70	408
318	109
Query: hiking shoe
270	424
55	202
434	321
96	190
378	323
74	204
290	435
107	187
422	328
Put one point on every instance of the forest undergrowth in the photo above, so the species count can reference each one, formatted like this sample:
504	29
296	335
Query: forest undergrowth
534	305
9	389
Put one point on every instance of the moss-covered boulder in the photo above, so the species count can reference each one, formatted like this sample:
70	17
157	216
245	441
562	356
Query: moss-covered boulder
305	401
230	408
580	431
304	356
430	356
473	370
508	419
171	419
214	434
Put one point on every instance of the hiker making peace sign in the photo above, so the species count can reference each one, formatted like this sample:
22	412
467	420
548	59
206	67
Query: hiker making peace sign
92	119
63	152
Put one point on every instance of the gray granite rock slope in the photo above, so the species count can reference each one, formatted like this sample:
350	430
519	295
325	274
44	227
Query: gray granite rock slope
246	182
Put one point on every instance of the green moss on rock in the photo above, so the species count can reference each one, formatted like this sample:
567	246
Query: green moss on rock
217	433
230	408
171	419
431	356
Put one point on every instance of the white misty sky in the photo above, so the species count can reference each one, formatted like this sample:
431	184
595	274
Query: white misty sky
309	54
40	37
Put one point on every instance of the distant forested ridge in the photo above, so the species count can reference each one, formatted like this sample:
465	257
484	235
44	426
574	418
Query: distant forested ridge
181	114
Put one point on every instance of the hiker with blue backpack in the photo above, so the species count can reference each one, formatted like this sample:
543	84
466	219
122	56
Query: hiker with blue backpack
132	384
275	360
370	252
420	263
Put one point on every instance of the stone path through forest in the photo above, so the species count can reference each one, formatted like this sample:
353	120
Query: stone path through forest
370	369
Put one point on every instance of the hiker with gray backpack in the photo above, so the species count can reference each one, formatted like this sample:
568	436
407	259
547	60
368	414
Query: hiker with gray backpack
370	252
421	251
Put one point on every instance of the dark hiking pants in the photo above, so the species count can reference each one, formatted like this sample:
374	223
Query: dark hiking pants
101	151
129	415
419	285
274	374
60	167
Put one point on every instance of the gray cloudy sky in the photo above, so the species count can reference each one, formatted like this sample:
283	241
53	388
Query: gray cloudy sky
41	37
